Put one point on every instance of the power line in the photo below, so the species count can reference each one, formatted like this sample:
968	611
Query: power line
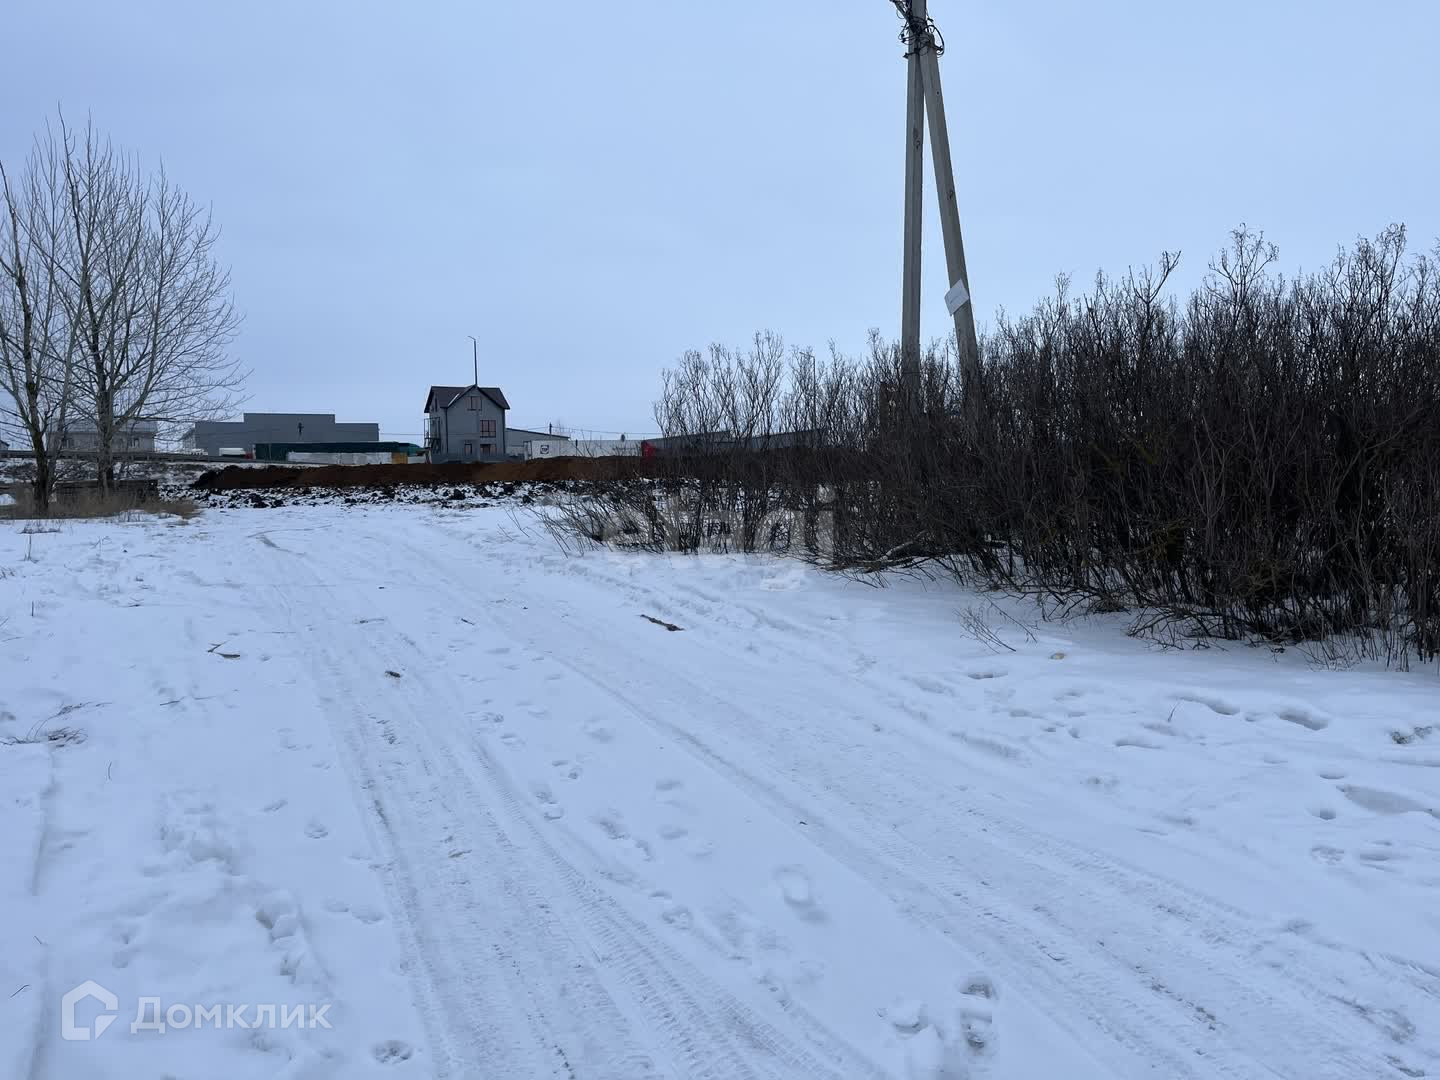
919	32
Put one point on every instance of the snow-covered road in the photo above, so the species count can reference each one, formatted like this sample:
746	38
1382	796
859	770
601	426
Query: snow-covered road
425	769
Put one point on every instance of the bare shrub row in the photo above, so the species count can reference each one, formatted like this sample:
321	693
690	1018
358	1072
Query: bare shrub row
1259	459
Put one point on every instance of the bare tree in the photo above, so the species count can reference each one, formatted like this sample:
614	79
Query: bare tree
38	346
150	303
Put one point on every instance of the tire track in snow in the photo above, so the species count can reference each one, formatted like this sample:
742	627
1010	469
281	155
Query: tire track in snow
659	991
1343	988
754	1033
1124	991
641	954
468	1014
953	911
1213	943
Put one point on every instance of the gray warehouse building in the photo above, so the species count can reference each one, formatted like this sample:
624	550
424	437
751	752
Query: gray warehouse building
211	436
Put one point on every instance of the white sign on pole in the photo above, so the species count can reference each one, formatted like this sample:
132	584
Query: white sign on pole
957	297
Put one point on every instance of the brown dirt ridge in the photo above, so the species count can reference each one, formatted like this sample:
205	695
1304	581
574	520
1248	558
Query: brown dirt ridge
548	470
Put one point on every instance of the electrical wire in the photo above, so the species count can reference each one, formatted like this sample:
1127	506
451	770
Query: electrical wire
918	34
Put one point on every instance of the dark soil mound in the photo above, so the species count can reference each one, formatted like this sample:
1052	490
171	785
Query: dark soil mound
541	470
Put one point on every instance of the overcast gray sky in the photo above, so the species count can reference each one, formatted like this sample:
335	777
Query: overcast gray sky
590	188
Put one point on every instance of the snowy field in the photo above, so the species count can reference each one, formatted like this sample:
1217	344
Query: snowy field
438	795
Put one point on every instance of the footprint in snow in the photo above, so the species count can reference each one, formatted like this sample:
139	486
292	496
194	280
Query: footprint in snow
977	1013
929	1055
930	685
943	1049
799	894
553	810
125	932
1139	742
316	830
392	1052
613	826
568	769
1385	802
907	1015
278	913
676	915
1305	718
1219	706
1377	857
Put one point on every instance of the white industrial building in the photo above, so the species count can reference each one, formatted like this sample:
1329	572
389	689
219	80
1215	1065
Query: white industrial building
516	438
590	448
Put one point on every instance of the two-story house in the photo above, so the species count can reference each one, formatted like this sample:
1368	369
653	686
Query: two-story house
465	423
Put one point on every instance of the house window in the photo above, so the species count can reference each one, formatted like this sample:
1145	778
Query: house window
487	427
487	448
473	402
469	449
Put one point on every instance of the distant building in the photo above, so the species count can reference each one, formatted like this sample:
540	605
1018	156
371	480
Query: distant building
132	437
716	442
465	423
516	438
587	448
342	453
210	436
784	440
700	442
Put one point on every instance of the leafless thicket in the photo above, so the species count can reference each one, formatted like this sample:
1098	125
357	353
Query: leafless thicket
37	339
114	312
1260	460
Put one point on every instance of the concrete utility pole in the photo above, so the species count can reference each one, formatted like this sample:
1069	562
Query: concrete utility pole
914	220
924	97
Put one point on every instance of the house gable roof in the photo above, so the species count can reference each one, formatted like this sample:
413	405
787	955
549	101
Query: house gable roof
442	397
